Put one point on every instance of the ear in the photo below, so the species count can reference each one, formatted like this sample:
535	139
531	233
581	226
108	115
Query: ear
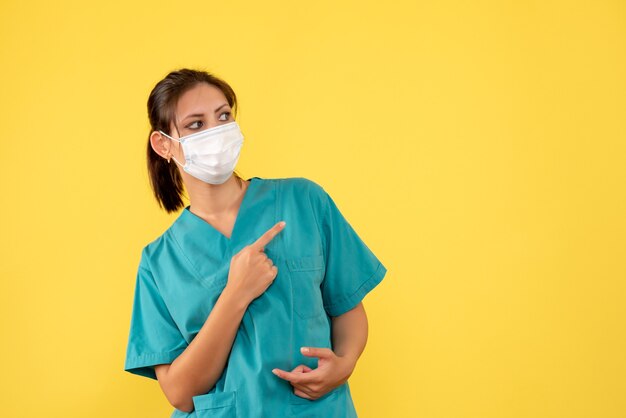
160	144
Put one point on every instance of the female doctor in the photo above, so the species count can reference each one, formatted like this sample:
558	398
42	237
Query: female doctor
249	304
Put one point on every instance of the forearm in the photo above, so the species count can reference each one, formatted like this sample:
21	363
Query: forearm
198	368
350	333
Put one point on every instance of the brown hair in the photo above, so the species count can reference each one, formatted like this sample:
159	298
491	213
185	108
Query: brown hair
165	179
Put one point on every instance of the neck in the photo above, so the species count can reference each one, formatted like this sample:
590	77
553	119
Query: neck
215	200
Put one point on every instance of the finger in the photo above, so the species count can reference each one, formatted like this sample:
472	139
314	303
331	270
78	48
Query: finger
301	394
292	377
302	368
319	352
299	369
313	391
264	239
309	378
280	373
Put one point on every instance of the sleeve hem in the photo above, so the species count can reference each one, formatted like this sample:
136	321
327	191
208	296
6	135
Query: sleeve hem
143	365
349	302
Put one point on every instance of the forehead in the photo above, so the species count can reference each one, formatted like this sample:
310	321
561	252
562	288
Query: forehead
198	99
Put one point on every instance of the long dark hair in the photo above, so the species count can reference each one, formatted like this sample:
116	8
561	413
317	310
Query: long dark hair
165	179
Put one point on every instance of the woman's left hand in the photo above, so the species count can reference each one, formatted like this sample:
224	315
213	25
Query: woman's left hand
332	371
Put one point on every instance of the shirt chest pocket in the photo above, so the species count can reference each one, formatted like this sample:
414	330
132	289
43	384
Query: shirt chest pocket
307	273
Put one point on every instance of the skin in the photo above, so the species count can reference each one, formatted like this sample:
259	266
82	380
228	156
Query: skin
251	272
218	204
333	367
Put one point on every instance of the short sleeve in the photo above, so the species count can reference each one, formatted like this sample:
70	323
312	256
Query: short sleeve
352	269
154	337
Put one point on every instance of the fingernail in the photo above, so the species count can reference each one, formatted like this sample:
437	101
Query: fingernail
283	223
304	349
274	371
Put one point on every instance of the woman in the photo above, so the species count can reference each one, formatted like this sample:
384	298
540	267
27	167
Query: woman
249	304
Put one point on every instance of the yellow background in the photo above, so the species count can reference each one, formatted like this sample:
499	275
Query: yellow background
478	147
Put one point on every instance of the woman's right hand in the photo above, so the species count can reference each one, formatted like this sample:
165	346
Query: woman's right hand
251	270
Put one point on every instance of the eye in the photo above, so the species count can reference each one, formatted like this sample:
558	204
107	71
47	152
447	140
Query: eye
191	125
225	113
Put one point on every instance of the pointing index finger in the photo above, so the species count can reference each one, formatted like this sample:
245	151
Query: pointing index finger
268	235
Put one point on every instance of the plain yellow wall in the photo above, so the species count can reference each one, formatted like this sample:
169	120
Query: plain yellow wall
478	147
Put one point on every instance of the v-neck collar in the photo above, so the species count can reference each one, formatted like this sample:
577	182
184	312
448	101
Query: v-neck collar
201	223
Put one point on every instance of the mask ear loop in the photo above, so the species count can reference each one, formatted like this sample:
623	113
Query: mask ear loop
173	158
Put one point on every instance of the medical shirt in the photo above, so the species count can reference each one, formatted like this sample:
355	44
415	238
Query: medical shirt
324	270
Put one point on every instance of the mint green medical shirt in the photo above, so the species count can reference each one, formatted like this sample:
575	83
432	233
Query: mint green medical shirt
324	270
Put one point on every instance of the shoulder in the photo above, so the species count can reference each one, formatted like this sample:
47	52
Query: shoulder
304	196
150	250
301	187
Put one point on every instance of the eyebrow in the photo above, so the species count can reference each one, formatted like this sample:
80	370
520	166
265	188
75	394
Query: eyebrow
202	114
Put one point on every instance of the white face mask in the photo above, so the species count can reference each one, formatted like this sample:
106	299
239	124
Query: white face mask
211	155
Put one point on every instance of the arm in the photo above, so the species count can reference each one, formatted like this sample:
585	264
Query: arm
196	370
350	335
199	367
334	366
